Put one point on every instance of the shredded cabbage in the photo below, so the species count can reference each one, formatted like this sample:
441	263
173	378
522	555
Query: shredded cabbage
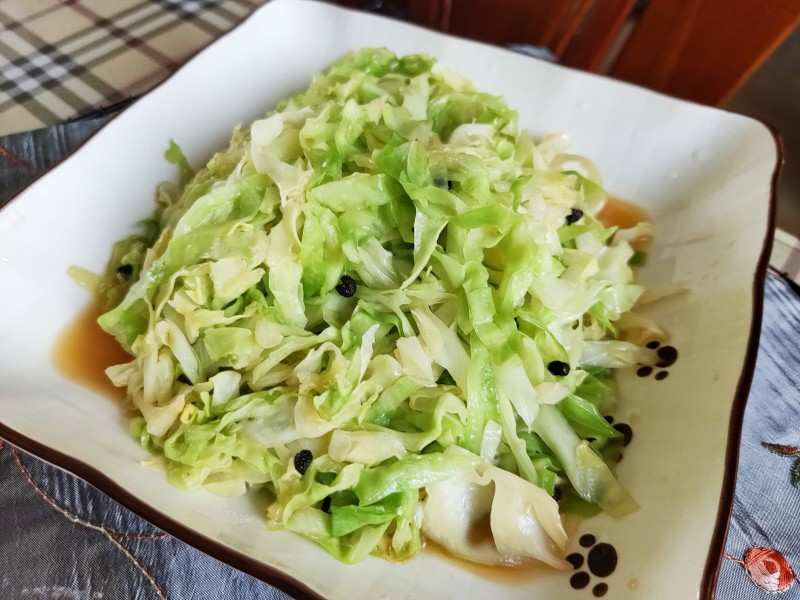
387	273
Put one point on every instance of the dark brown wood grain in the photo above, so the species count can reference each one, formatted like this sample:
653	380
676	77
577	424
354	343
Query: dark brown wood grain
591	42
513	21
703	50
431	13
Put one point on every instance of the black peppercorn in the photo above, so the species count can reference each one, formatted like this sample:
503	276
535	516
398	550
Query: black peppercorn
348	286
442	183
574	215
558	368
302	460
326	505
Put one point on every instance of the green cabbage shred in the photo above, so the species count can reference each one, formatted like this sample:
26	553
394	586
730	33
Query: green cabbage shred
425	397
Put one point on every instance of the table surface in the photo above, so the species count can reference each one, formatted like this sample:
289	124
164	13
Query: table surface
62	60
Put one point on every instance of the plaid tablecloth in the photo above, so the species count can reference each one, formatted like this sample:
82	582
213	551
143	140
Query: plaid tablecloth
60	59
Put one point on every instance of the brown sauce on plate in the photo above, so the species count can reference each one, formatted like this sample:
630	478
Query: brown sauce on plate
624	214
621	213
502	574
83	351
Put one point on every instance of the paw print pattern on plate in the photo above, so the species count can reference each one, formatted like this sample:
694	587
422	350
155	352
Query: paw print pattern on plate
601	561
667	355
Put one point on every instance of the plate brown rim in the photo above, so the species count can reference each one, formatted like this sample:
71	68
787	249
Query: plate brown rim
736	420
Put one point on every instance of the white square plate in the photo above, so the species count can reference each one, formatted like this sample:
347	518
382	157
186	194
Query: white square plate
703	175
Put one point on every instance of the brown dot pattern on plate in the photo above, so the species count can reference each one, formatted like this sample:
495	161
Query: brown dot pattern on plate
626	431
575	559
667	355
609	419
579	580
602	560
587	540
600	590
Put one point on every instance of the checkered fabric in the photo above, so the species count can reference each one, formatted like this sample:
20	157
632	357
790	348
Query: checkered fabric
61	59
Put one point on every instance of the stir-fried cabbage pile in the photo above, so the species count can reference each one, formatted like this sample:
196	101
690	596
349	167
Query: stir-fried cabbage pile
389	310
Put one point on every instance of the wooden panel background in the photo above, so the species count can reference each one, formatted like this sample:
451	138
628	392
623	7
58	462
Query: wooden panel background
701	50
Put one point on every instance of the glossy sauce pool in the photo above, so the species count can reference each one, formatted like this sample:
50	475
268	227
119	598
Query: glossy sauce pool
514	575
624	214
83	351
